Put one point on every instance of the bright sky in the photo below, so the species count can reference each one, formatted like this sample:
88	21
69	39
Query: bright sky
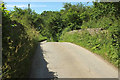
48	0
39	6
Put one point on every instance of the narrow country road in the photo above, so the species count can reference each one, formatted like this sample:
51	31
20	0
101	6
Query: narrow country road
67	60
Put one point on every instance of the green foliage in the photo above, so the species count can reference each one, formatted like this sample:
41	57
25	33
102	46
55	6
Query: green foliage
56	22
19	40
52	25
105	8
104	42
101	15
23	28
104	16
101	43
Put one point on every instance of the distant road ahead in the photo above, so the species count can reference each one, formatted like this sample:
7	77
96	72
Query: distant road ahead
67	60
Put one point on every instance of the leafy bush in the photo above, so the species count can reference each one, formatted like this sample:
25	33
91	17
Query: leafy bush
19	43
101	44
104	42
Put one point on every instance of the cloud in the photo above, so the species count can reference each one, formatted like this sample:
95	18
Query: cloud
21	6
48	0
16	5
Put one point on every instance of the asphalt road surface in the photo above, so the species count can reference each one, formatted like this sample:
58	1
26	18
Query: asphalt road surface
67	60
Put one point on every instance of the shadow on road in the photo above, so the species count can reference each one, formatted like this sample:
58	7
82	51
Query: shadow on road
39	66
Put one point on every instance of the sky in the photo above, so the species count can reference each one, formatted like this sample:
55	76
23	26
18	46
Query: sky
48	0
40	6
